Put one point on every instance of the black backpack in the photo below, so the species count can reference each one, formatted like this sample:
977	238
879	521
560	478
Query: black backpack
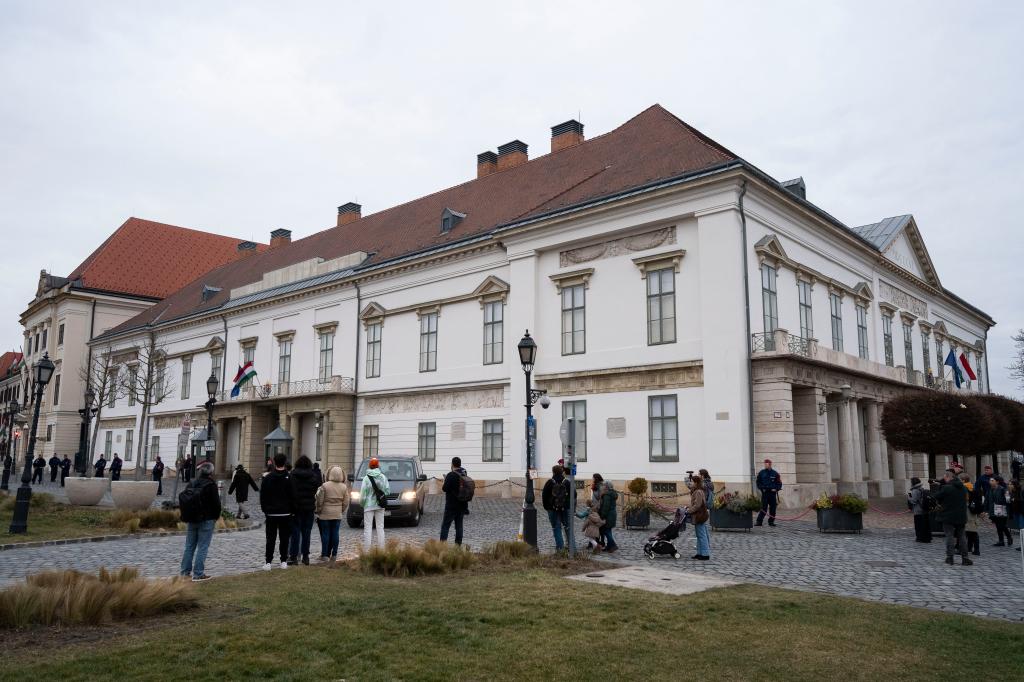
928	502
559	496
467	488
190	503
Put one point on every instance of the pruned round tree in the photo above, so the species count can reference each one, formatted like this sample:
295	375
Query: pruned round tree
939	423
1012	412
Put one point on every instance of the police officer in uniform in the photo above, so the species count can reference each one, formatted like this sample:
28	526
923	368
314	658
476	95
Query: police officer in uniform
769	483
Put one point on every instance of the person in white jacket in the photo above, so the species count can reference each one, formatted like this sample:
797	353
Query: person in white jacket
374	483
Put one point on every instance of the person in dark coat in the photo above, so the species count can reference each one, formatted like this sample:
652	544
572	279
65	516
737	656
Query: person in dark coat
115	468
318	474
277	500
554	497
186	469
158	475
99	466
200	530
37	469
454	508
769	483
8	464
952	499
304	480
998	508
240	484
54	465
65	469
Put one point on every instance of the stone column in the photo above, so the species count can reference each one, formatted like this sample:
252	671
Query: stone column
295	429
848	482
879	485
899	473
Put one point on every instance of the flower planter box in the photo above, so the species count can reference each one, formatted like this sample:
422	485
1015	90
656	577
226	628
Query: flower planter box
838	521
724	519
640	518
133	495
85	492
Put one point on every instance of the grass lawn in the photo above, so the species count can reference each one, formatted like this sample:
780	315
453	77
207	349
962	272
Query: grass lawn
510	623
50	521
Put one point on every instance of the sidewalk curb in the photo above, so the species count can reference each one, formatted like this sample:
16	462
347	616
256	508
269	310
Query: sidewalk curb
109	538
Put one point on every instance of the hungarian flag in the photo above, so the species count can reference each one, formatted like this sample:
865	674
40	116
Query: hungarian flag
966	366
951	361
246	372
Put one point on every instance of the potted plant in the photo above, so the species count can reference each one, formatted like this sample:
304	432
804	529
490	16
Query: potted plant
637	511
734	511
840	513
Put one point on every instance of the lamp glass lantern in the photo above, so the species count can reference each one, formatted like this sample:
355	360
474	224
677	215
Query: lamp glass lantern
527	352
44	370
211	386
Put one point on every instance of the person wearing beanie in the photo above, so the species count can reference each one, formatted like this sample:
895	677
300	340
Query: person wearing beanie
372	495
240	484
916	502
769	483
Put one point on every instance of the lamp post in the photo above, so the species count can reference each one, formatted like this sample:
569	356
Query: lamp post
19	524
211	391
12	409
527	356
87	412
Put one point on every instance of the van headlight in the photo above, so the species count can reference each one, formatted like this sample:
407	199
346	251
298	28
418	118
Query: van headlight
408	496
354	496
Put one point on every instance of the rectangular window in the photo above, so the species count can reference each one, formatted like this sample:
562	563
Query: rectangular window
133	380
926	353
60	335
908	345
492	440
426	443
108	444
56	390
373	333
186	378
49	432
770	305
326	356
37	343
249	353
573	320
284	361
216	363
806	314
129	445
577	410
160	383
862	331
154	450
371	434
939	358
661	306
428	342
887	338
494	332
835	302
46	333
111	388
663	426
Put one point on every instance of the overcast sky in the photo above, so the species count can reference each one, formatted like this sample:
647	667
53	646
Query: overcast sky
240	118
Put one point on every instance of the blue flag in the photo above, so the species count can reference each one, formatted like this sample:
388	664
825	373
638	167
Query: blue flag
951	361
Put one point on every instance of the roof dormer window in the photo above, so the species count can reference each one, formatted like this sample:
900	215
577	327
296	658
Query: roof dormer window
449	219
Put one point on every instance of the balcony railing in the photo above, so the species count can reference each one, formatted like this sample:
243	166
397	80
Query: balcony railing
334	384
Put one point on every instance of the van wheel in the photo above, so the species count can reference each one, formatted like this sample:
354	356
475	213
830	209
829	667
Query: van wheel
353	523
415	521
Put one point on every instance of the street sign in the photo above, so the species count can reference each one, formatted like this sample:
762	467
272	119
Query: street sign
208	448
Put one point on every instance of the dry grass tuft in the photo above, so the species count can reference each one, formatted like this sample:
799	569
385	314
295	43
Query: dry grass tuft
132	521
404	561
75	598
504	551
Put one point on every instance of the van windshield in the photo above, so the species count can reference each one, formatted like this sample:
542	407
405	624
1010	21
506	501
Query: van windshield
393	469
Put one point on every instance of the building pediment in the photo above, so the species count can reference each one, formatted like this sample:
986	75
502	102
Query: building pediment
492	288
372	312
769	247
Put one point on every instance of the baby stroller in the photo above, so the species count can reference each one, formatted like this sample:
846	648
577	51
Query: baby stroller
661	544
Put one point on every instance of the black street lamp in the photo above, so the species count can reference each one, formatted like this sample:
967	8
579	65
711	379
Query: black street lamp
19	524
211	391
87	412
12	409
527	356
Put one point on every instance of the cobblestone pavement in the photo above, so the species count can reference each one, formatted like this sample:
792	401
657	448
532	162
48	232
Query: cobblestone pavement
881	564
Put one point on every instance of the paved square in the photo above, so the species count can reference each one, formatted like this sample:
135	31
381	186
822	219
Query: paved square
640	577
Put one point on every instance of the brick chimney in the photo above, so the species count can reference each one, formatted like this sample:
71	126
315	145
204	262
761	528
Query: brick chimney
486	163
245	249
512	154
568	134
280	238
349	213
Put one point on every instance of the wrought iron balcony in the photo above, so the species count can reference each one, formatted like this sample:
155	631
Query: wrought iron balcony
334	384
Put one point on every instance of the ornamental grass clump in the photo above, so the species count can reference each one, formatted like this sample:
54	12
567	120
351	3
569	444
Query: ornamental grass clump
850	503
506	551
406	561
737	502
75	598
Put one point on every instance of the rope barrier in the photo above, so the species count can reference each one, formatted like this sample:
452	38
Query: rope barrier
885	513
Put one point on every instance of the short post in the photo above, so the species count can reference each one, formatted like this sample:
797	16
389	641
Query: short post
570	462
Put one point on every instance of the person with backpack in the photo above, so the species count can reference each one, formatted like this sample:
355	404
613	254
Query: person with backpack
769	483
999	510
555	500
373	495
306	483
331	503
277	500
974	509
240	484
952	498
199	505
917	502
458	489
607	510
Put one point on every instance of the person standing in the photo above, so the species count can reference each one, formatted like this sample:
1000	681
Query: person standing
65	469
998	511
240	484
698	509
915	500
555	500
277	500
8	463
607	509
201	517
318	474
1016	500
186	469
373	496
305	483
709	488
331	503
952	497
54	465
158	475
454	506
99	466
974	508
37	469
115	468
769	483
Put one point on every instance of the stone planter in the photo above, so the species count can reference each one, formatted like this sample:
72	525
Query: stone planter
85	492
724	519
133	495
638	518
838	521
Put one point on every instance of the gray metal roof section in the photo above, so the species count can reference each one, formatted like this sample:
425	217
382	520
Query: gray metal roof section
882	233
287	288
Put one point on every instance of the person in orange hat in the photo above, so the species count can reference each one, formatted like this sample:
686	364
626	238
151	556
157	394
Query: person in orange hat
373	496
769	483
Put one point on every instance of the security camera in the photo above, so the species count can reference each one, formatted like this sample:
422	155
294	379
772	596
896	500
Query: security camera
545	402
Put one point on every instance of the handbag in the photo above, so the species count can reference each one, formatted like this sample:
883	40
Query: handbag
999	510
382	499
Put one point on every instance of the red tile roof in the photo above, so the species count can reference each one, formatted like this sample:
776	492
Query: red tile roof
651	146
7	361
145	258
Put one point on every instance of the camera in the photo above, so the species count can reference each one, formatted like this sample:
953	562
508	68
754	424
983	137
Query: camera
545	402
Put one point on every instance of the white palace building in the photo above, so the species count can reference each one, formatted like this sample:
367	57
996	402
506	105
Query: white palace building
689	309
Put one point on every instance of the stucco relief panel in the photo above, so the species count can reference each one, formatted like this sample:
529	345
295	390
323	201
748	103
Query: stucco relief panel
437	402
618	247
902	299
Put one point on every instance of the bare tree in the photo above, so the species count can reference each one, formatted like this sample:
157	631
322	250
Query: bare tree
1017	363
101	374
146	382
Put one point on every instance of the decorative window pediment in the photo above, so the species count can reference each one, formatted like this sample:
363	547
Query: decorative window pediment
373	313
659	261
214	344
248	342
769	248
492	289
888	308
286	335
572	278
907	317
326	327
863	291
